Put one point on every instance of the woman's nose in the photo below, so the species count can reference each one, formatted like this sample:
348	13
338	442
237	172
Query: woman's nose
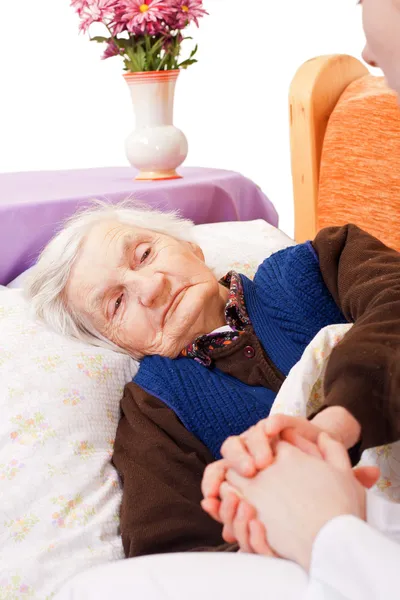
150	288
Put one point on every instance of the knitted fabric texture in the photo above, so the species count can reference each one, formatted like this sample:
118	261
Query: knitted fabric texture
288	303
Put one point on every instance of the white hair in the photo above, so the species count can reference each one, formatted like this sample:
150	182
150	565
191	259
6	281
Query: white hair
45	286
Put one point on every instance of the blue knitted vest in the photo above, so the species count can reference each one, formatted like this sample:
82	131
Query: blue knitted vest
288	303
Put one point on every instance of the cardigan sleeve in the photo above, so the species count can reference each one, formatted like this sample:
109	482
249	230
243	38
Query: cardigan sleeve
161	466
363	372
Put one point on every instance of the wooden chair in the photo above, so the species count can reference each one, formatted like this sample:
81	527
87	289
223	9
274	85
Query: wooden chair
345	147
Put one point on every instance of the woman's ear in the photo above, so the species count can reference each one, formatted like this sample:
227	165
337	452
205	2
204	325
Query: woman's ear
197	250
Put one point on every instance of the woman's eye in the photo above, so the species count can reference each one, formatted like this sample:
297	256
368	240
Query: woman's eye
118	303
145	255
142	252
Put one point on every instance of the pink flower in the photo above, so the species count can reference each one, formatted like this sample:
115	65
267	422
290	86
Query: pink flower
139	13
111	50
187	11
79	5
94	11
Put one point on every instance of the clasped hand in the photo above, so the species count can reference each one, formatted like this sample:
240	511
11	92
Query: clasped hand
282	480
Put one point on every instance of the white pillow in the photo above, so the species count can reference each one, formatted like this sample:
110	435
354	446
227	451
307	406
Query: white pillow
60	496
18	282
239	245
59	406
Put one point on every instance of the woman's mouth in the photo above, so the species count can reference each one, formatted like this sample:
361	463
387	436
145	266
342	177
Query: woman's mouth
173	305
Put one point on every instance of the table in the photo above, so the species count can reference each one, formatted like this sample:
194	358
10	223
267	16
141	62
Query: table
33	204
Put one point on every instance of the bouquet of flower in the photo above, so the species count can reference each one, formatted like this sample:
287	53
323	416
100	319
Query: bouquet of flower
147	34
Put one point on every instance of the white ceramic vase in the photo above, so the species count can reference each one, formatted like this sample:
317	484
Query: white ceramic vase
156	147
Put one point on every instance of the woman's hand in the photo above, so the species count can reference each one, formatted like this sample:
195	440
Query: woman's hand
298	494
249	453
252	451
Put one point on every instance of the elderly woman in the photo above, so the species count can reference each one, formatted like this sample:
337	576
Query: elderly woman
215	353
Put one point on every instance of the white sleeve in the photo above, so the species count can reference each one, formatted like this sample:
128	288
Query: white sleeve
353	561
384	516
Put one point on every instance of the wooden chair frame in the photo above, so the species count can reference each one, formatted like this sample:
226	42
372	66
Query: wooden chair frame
314	93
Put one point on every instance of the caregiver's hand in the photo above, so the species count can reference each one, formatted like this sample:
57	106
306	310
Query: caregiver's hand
253	451
247	454
298	494
223	504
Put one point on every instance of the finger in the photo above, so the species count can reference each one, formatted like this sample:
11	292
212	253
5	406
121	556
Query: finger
244	515
235	452
258	446
294	438
258	539
211	506
275	424
227	511
228	534
367	476
213	476
237	481
229	506
334	452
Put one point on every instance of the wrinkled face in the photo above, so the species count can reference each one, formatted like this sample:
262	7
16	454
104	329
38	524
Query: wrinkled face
146	292
381	19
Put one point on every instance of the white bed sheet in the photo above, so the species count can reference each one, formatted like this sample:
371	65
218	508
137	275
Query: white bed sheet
190	576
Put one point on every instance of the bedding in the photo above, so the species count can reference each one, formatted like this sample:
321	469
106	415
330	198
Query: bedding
59	402
190	576
18	282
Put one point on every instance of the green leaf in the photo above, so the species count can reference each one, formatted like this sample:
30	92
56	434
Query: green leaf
141	58
127	64
137	58
186	63
193	52
122	43
156	47
100	39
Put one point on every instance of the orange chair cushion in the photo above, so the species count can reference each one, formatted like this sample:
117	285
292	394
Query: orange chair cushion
360	166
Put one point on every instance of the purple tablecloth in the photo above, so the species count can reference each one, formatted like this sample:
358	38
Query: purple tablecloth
33	204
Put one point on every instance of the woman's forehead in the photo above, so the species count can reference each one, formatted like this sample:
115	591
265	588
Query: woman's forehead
107	232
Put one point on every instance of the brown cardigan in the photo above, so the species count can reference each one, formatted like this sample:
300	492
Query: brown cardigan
161	464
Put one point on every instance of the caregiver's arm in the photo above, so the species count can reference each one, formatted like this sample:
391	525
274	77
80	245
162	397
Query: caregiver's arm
372	550
161	466
363	373
352	560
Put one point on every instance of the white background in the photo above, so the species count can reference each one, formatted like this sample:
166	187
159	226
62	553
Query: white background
61	107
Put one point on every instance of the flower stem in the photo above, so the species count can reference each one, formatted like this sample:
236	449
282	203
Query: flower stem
114	39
